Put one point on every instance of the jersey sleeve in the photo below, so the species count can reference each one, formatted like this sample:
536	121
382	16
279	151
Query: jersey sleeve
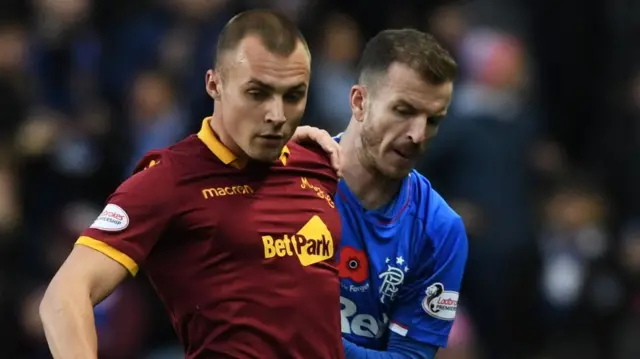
427	308
318	161
134	216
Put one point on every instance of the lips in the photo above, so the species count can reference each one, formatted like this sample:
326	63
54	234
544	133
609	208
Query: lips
400	154
271	140
272	136
406	153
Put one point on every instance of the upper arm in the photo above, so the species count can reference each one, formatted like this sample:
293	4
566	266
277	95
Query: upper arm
134	218
425	312
93	271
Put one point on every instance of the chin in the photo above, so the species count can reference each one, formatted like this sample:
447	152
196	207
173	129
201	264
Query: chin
265	155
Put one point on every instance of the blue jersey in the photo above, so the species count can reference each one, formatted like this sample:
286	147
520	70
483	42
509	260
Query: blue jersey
400	266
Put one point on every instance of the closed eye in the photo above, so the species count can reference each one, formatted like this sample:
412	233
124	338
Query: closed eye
257	94
434	120
405	111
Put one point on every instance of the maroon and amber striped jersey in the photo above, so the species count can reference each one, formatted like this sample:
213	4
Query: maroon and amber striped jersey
242	255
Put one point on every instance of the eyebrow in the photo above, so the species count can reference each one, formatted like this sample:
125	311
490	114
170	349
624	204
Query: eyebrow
266	86
441	113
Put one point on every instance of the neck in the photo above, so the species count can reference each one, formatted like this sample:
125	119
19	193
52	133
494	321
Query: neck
365	181
218	130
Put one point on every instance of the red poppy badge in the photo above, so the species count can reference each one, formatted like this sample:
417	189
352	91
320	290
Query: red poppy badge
353	264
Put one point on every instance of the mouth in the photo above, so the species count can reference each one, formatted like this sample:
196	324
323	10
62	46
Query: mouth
275	136
404	155
272	138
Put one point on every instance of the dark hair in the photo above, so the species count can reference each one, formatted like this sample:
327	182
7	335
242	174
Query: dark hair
418	50
278	33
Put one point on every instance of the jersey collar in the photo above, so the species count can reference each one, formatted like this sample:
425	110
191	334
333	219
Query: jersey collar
224	154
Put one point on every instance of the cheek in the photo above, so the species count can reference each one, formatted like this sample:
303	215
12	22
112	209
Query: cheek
240	117
372	136
386	128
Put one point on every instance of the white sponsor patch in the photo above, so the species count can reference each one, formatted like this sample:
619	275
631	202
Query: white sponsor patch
398	329
440	303
112	219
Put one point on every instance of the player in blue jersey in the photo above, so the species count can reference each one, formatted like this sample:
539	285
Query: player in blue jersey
404	249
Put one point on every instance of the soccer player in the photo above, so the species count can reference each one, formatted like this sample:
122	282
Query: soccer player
235	229
403	249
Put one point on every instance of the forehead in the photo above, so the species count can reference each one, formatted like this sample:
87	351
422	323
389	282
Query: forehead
252	60
403	83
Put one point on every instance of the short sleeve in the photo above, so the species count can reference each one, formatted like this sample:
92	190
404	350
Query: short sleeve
134	217
427	308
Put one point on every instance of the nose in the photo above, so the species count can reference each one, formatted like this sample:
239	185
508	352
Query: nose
420	131
275	114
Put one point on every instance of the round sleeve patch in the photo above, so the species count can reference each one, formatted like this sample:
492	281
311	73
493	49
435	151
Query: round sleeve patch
112	219
440	303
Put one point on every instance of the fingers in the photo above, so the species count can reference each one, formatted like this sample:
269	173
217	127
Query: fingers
335	156
331	147
323	139
336	162
302	134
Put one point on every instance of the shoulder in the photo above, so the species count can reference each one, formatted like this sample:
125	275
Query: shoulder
308	155
441	240
314	161
159	166
180	162
438	218
151	181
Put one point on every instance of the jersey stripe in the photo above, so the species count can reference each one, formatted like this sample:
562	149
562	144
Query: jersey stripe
110	252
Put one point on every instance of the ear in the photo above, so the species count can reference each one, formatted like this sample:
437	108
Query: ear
358	98
213	83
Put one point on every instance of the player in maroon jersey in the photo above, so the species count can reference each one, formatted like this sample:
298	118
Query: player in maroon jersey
235	228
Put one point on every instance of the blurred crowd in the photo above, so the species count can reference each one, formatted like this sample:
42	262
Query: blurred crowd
540	153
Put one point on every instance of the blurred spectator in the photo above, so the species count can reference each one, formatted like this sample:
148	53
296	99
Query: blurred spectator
334	72
158	119
626	334
10	210
66	53
88	86
449	25
579	284
462	340
482	161
14	81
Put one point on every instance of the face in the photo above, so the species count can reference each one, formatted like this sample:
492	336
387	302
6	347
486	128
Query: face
261	96
398	117
66	11
197	9
151	95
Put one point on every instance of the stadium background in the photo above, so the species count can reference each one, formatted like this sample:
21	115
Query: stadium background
541	153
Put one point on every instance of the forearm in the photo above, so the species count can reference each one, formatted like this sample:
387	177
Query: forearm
352	351
398	348
67	317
